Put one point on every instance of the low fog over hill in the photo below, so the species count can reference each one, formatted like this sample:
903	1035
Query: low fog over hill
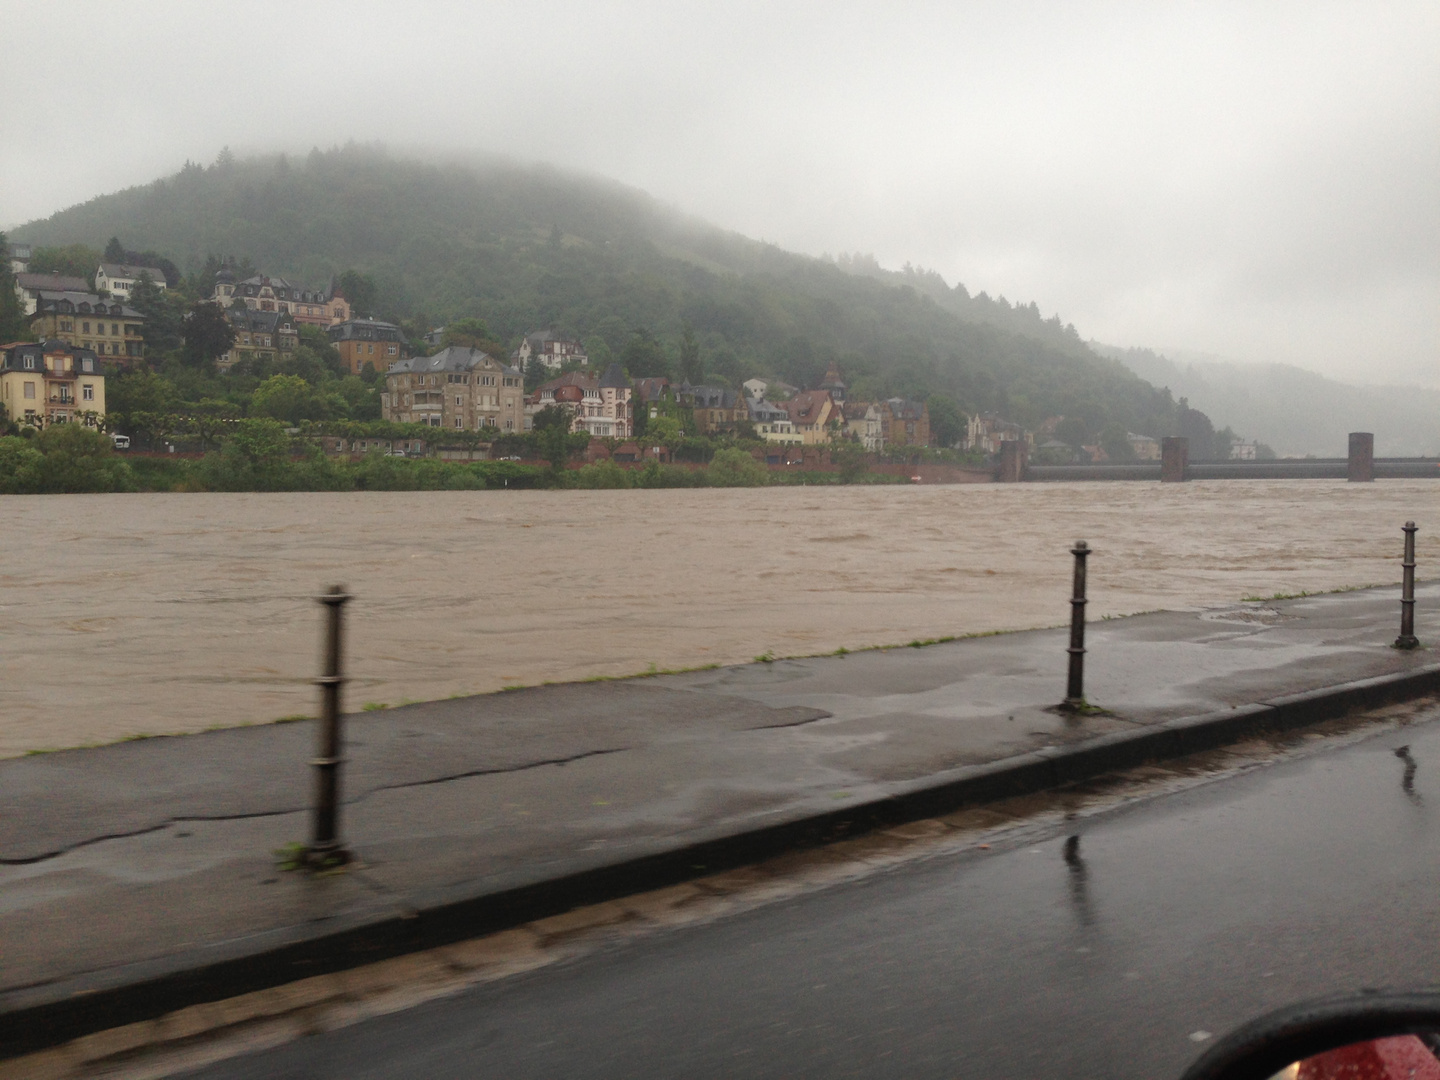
1296	411
527	247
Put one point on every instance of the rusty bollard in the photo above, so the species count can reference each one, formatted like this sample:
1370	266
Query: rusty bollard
1407	639
325	849
1075	684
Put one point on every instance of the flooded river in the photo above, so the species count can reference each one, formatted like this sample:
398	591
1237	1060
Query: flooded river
130	614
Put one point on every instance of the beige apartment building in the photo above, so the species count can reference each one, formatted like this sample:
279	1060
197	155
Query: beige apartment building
459	388
51	382
88	321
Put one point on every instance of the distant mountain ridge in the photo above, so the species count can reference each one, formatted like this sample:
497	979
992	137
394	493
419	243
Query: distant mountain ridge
525	247
1297	412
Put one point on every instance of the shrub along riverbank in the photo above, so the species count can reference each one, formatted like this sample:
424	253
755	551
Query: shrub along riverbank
259	455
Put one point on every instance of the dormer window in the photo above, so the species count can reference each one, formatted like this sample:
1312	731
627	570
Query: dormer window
29	363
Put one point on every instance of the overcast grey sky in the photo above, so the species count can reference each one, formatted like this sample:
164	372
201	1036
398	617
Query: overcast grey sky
1260	181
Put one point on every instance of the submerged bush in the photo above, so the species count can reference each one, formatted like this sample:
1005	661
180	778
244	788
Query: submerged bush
736	468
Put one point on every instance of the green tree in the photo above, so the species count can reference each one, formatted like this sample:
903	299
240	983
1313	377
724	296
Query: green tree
854	462
1115	441
77	458
362	399
553	443
644	358
255	457
115	251
598	352
474	334
307	364
75	260
733	467
211	418
1072	431
360	290
163	312
318	342
1196	427
208	335
691	369
19	466
947	422
141	390
663	431
287	397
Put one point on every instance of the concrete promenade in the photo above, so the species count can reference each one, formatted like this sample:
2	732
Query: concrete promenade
139	877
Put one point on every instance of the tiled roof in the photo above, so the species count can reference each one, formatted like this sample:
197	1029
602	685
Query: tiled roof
82	303
766	412
586	380
124	270
651	389
614	378
903	409
55	282
453	358
806	406
366	330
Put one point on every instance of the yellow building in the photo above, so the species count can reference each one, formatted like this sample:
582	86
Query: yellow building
85	320
51	382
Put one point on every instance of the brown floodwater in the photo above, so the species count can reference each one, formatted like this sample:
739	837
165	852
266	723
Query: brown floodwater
131	614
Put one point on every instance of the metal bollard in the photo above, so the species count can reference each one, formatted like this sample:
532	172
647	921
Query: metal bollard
325	849
1075	686
1407	639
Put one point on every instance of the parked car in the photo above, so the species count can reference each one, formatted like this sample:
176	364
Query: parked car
122	442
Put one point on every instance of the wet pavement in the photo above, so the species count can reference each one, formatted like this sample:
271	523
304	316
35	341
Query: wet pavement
1115	945
158	854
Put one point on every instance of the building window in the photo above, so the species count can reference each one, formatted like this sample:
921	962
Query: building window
30	391
29	363
87	392
459	422
85	328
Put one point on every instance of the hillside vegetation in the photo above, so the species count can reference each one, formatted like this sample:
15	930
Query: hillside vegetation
529	247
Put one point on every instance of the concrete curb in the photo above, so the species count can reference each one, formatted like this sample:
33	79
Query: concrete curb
35	1018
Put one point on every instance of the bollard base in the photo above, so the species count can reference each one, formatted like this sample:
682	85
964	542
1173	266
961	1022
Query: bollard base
326	858
1079	707
1406	641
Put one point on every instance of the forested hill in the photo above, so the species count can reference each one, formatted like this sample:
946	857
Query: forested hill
532	247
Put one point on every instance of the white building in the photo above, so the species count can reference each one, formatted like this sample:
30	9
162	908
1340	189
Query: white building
771	422
550	349
118	279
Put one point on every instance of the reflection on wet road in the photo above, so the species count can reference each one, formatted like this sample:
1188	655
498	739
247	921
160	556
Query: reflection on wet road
1113	946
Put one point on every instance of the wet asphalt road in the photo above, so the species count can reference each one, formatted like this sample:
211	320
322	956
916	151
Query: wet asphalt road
1182	914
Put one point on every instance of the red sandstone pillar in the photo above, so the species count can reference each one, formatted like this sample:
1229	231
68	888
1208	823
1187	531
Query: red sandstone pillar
1013	460
1362	457
1174	457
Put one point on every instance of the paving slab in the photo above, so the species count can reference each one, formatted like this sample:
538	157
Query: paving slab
125	862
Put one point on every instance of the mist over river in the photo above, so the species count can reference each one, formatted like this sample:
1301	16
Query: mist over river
159	613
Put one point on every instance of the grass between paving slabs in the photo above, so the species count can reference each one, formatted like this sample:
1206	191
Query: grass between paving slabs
1318	592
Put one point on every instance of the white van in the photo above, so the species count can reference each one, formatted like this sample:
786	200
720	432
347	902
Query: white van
122	442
